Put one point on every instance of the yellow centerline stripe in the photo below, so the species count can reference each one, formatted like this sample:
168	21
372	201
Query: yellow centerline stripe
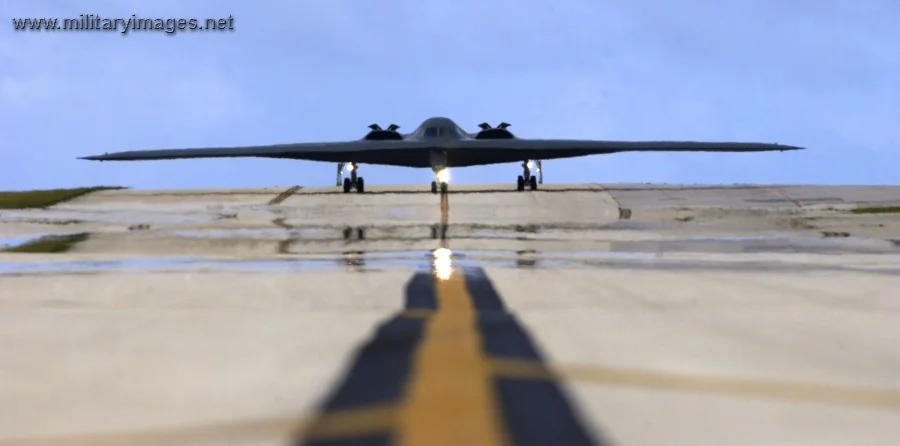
450	398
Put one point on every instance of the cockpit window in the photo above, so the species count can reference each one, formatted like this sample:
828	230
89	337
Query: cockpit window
431	132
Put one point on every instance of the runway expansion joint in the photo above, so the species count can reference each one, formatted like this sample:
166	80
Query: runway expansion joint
283	196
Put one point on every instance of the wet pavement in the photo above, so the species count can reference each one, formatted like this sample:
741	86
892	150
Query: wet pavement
580	314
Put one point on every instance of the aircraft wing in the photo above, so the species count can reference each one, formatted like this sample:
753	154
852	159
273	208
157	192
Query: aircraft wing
324	151
517	149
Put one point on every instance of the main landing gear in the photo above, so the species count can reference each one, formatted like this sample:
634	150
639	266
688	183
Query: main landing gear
527	179
354	182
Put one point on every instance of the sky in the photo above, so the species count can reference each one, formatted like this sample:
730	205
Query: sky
819	74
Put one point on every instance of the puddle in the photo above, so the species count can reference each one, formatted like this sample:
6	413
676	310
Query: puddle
606	254
227	233
812	245
421	261
745	238
417	259
150	263
13	241
400	212
638	225
492	235
117	217
362	261
793	239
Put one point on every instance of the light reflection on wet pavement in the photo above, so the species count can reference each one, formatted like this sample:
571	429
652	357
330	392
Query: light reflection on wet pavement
295	230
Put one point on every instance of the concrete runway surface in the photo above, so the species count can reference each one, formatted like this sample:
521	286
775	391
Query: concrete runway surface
574	315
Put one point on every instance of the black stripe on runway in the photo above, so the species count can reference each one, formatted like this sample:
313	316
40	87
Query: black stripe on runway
536	412
379	371
373	440
420	292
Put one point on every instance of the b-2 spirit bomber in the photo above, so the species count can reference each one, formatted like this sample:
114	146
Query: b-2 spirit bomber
439	144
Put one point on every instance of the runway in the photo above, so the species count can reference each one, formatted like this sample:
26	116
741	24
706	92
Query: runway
577	314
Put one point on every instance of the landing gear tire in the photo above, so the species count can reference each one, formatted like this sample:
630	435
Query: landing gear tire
347	185
360	185
520	183
434	187
533	183
444	188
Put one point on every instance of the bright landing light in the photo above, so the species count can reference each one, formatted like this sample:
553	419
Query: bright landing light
530	164
442	265
443	175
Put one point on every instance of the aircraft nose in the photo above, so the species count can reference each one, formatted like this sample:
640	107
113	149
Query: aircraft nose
103	157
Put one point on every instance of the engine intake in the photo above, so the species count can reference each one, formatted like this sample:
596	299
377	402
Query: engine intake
499	132
379	134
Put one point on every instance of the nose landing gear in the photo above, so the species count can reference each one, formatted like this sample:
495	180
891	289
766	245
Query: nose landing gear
442	187
440	183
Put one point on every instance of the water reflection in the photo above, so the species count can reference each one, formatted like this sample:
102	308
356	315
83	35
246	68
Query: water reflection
442	264
353	259
349	231
13	241
526	257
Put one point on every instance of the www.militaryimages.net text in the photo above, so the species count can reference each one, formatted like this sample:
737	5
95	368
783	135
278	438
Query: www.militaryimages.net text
124	25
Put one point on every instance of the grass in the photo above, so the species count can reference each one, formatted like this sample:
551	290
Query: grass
877	210
31	199
50	244
51	221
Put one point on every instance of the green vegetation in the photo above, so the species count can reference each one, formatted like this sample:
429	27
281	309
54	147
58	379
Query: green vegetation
52	221
29	199
50	243
877	210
